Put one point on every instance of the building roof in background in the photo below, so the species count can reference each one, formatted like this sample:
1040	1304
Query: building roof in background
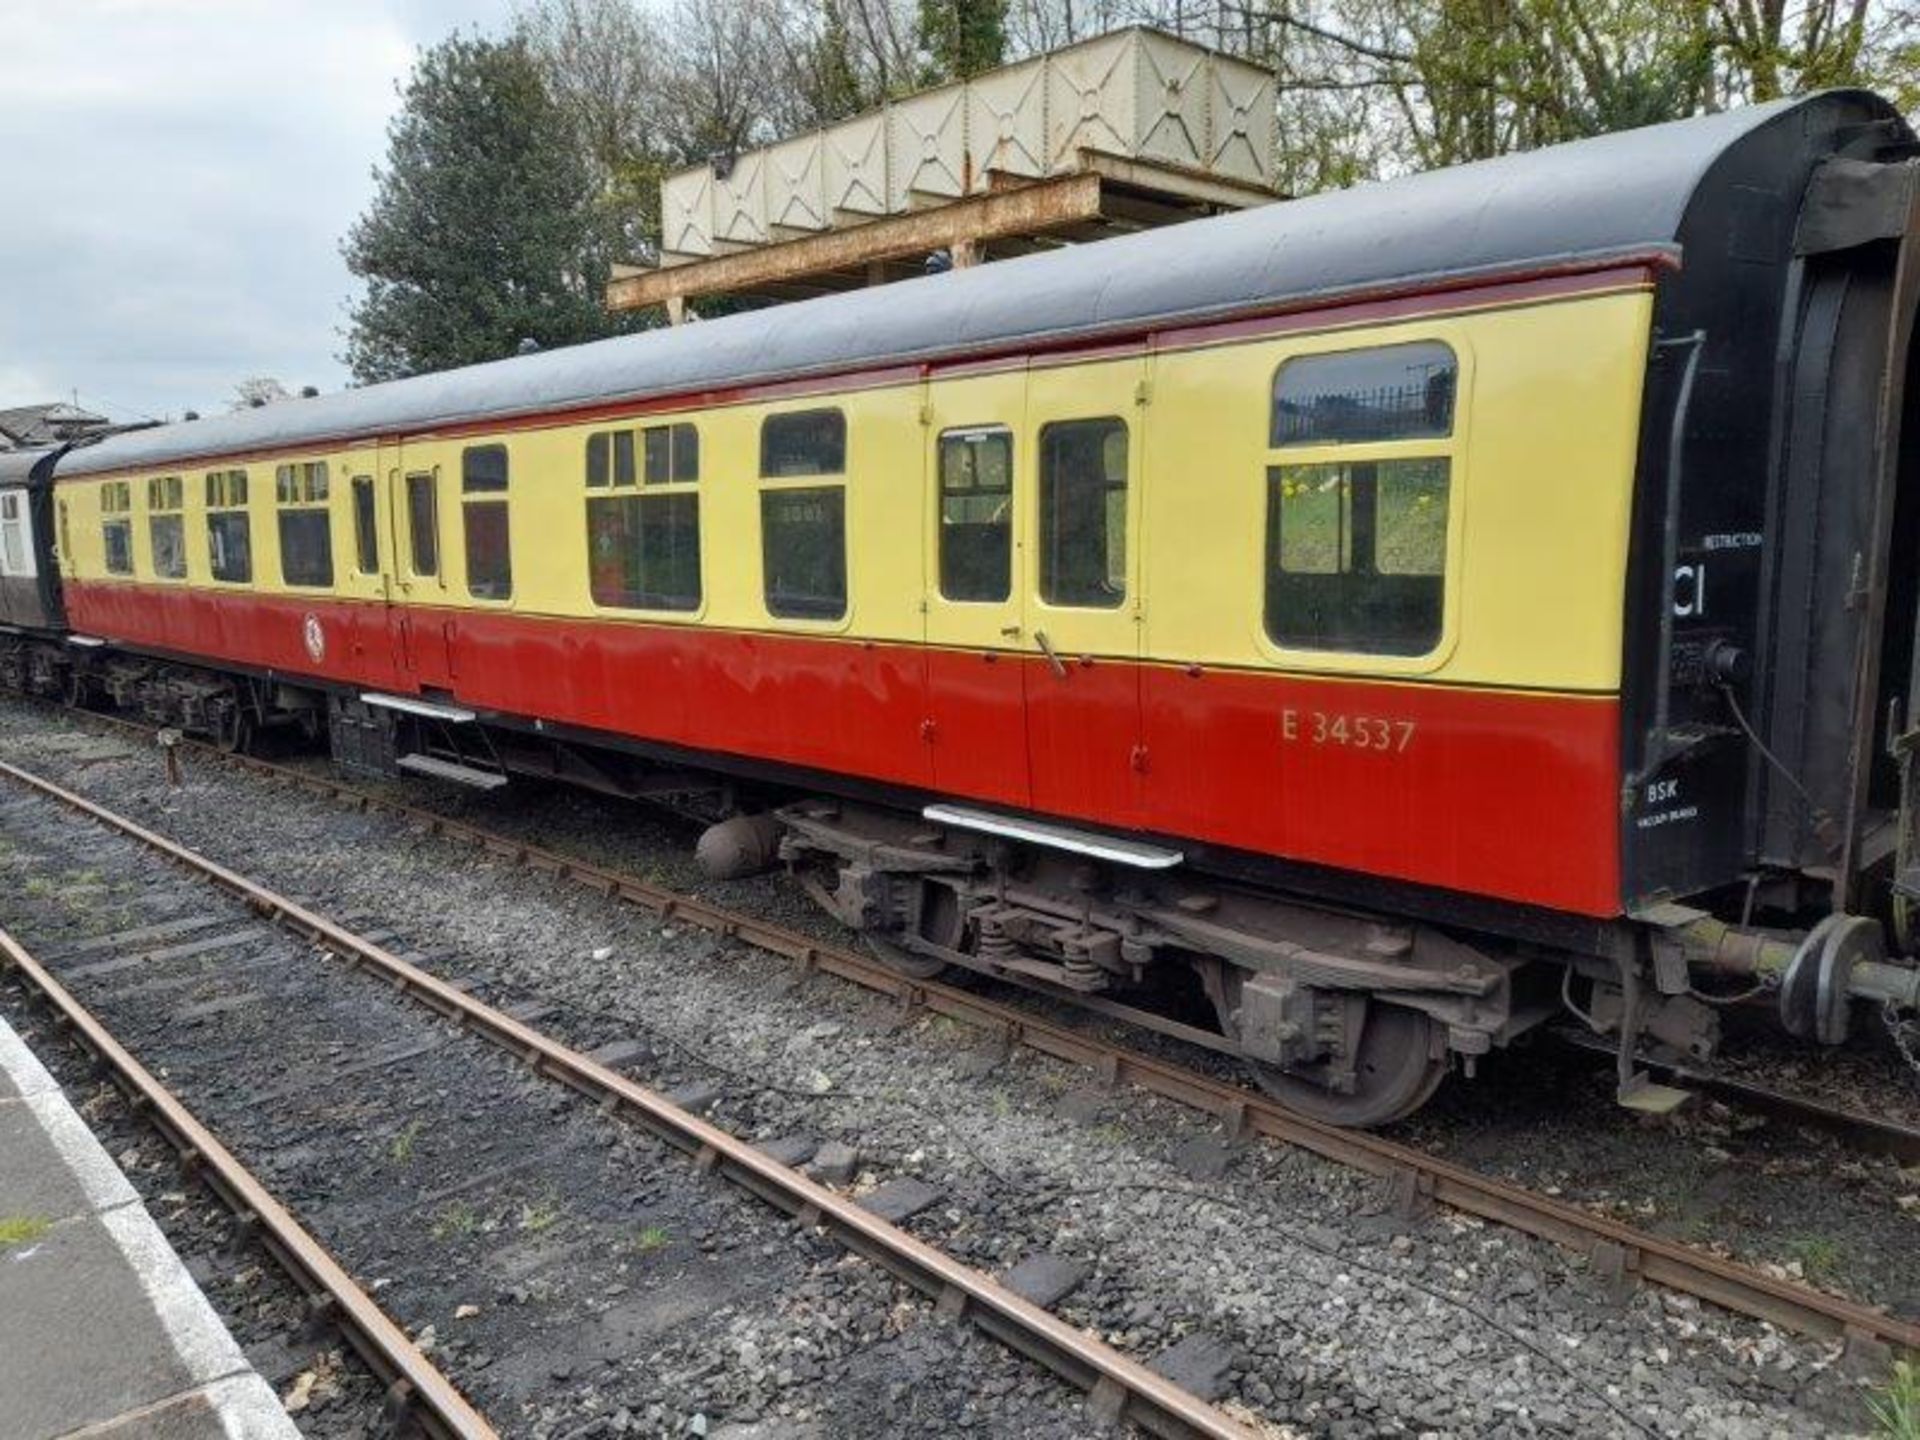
27	425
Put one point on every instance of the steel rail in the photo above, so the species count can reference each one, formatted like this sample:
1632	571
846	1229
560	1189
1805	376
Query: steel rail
415	1386
1875	1134
1618	1252
1117	1386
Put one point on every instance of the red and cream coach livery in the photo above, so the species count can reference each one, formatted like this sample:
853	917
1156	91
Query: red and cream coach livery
1391	613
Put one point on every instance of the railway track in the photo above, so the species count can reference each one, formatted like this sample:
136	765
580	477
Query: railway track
1617	1252
1873	1134
416	1390
1118	1387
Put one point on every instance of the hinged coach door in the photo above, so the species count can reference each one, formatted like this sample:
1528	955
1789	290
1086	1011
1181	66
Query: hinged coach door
977	450
1086	749
360	576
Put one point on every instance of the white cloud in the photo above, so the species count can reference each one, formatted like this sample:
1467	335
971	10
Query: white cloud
181	174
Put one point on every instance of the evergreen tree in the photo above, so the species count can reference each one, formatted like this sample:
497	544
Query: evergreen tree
484	230
962	37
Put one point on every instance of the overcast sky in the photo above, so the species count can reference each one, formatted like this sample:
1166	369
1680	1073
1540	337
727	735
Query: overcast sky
179	174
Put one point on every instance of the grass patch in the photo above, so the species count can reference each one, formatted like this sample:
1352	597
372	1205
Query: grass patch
22	1229
1818	1255
402	1147
456	1220
541	1214
652	1238
1896	1405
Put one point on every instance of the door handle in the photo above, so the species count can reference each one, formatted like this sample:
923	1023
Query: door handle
1010	631
1053	660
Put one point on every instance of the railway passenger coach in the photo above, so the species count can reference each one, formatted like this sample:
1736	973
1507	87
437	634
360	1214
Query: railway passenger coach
1400	611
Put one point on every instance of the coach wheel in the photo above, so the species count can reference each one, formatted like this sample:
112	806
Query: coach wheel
75	688
1395	1074
905	962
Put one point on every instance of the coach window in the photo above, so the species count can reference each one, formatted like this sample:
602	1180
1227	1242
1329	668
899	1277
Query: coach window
483	507
13	536
306	523
1357	541
423	522
803	528
116	526
643	522
229	527
1083	513
976	514
366	527
167	526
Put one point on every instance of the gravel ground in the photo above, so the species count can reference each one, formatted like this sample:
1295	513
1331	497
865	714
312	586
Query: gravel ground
1328	1320
574	1276
1790	1199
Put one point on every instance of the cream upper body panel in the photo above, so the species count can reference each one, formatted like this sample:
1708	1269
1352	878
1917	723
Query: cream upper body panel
1540	455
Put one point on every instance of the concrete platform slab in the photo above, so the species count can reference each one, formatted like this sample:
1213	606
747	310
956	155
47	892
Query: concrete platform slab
102	1331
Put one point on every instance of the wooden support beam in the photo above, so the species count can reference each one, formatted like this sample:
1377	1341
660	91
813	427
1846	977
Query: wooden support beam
1046	205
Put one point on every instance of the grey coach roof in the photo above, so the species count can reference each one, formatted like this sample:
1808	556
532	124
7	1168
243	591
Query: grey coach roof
1617	193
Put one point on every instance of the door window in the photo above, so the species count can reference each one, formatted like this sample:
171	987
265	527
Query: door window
366	527
229	527
1083	513
976	514
423	523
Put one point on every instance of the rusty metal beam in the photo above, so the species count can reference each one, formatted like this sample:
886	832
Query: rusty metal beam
1036	209
1176	183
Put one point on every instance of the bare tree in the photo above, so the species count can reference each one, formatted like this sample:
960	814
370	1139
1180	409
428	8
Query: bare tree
256	391
601	60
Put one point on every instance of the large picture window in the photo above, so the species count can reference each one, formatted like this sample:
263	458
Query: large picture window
302	492
803	528
803	547
1357	545
1083	513
976	514
643	536
229	527
484	520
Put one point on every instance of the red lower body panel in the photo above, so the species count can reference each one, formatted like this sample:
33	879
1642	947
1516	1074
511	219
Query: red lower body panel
1497	793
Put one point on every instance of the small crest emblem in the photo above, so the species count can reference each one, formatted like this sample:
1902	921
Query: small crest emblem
315	637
